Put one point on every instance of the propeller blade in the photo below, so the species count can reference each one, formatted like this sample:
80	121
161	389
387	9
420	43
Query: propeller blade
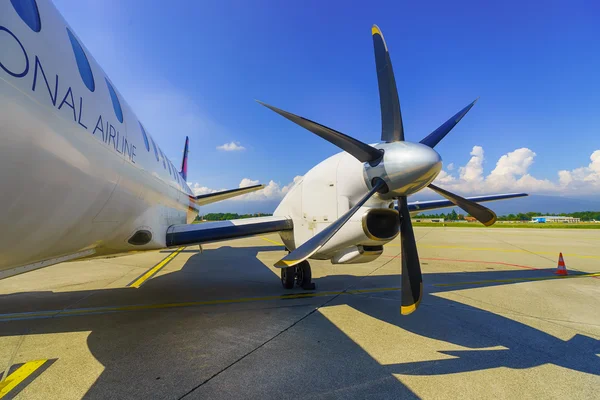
483	214
391	118
412	280
361	151
436	136
312	245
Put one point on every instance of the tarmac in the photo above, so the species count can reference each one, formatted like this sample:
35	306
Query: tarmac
495	322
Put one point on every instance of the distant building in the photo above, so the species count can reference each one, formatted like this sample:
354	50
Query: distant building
439	220
470	219
550	218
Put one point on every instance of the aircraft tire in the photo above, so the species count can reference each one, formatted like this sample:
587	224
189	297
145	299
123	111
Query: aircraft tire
288	277
304	275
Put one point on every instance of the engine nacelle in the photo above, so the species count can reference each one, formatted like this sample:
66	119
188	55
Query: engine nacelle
357	255
324	194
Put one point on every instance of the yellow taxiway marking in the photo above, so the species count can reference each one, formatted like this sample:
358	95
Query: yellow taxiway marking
22	373
272	241
154	270
496	249
141	307
512	280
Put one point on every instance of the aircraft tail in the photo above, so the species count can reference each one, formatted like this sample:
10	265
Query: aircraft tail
183	171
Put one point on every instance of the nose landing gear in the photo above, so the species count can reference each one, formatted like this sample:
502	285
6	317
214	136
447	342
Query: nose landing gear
300	275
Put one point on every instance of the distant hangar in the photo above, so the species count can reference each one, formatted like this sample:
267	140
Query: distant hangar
559	219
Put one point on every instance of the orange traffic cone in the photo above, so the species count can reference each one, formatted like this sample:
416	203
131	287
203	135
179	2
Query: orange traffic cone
561	269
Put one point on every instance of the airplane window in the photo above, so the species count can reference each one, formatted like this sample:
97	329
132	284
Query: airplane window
163	159
145	136
82	63
155	151
115	101
28	11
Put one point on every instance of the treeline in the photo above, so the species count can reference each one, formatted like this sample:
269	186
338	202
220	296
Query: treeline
454	216
451	216
228	216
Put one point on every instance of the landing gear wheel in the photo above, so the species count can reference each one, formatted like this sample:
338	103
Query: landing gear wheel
304	276
288	276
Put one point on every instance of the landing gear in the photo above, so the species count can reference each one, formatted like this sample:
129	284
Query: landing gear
288	277
301	275
304	276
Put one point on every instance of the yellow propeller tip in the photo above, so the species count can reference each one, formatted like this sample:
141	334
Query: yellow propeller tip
490	222
375	30
405	310
285	263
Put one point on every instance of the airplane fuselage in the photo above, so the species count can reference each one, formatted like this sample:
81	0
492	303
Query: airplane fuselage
68	139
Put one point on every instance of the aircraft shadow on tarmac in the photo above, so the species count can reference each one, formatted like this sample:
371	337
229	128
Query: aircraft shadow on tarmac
171	351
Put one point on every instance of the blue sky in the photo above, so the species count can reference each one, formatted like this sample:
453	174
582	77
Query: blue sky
193	68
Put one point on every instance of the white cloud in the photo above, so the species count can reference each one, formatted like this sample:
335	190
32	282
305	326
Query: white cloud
511	174
199	189
272	191
248	182
583	178
450	167
473	171
231	146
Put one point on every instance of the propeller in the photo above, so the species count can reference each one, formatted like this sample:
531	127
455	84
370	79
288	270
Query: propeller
483	214
361	151
436	136
393	169
392	129
412	280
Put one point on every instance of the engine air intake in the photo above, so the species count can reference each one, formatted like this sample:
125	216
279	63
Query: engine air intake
381	224
140	238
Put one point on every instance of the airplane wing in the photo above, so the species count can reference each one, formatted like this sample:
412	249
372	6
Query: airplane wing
416	207
205	199
188	234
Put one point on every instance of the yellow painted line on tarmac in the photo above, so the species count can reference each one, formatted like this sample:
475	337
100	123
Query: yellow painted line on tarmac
23	372
154	270
513	280
497	249
272	241
141	307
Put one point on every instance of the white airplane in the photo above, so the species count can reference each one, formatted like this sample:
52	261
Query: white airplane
81	177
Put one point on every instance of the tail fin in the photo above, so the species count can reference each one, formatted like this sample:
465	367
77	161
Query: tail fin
183	171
